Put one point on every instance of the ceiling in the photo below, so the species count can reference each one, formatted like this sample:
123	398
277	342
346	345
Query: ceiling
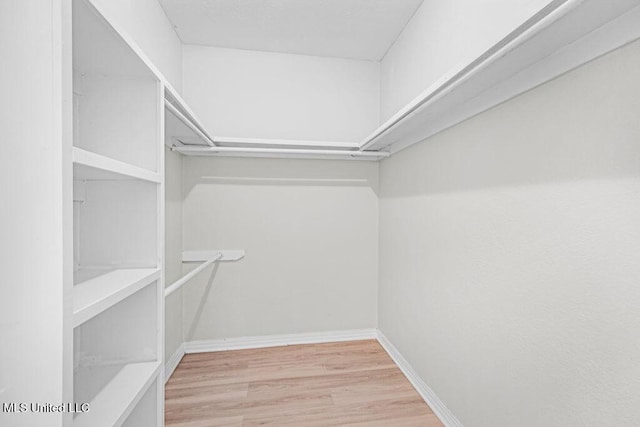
356	29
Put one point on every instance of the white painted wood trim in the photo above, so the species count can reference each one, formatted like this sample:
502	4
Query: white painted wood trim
173	362
429	396
161	243
243	343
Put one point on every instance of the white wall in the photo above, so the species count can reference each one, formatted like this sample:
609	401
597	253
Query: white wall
148	25
35	218
173	251
443	35
310	232
509	252
241	93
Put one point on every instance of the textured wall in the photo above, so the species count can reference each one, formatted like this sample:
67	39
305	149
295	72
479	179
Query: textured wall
310	232
509	250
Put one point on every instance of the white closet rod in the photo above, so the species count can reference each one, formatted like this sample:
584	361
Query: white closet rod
178	283
286	143
188	122
281	151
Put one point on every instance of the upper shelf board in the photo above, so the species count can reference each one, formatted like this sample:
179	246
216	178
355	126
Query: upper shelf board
101	292
92	166
563	36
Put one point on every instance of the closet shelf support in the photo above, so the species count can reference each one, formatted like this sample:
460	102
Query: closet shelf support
206	258
178	283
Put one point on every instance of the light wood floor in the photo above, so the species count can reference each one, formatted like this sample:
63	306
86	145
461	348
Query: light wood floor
338	384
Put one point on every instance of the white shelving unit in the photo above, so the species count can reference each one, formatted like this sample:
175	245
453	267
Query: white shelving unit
118	205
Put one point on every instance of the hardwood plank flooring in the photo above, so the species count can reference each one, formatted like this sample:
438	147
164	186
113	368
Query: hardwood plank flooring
352	384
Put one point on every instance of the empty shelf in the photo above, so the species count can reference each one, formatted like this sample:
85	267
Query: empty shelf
113	404
92	166
97	294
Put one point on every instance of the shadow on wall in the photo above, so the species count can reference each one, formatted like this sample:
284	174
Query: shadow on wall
279	172
583	125
199	290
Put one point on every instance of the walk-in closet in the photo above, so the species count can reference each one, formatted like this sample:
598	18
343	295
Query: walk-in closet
320	213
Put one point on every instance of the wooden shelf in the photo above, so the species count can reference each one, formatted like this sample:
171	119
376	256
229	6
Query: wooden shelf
115	402
92	166
560	38
97	294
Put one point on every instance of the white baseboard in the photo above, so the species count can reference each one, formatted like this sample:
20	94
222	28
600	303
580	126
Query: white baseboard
173	362
278	340
437	406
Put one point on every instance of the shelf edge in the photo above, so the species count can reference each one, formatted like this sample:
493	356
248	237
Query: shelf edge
98	306
87	420
93	160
